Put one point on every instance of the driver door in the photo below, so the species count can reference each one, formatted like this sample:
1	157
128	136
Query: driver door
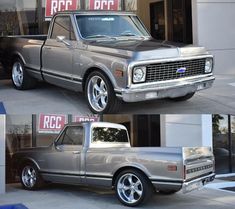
63	164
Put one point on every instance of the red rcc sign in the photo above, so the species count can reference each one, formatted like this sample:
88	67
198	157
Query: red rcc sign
104	4
53	6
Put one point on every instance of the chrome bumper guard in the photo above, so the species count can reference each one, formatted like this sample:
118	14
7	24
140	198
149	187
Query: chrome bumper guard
197	183
165	89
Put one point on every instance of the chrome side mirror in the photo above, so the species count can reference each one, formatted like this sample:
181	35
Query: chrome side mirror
62	39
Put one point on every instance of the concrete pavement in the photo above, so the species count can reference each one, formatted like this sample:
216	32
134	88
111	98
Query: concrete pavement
71	197
50	99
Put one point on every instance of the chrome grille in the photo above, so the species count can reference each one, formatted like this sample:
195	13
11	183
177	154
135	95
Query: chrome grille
168	71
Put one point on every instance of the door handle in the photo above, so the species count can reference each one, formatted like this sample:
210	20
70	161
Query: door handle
76	152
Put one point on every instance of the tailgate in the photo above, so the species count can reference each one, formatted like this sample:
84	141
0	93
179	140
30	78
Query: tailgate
198	162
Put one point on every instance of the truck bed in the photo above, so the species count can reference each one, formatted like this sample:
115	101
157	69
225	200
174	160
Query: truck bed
11	46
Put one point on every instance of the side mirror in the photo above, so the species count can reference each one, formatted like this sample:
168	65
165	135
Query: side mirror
57	147
62	39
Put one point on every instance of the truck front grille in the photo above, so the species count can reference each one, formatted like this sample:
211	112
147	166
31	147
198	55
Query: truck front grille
175	70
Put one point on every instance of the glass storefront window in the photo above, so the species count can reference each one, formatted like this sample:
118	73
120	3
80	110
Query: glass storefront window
19	132
18	136
18	17
233	142
221	143
48	127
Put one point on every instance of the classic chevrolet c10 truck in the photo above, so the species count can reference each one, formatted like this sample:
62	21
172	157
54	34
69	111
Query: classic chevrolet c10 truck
110	56
99	154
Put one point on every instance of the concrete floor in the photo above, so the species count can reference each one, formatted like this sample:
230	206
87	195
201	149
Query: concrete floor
50	99
71	197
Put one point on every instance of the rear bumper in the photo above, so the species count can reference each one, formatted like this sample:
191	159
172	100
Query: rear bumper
186	187
166	89
197	183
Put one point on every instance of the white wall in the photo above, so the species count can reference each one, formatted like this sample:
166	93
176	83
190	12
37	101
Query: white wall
213	27
186	130
2	154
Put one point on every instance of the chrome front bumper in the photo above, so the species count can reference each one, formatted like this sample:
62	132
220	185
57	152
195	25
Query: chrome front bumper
165	89
197	183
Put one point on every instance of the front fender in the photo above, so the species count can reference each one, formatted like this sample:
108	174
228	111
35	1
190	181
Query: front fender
28	159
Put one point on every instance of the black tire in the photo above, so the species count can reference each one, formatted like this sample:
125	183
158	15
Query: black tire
112	102
26	81
146	187
35	175
184	98
167	192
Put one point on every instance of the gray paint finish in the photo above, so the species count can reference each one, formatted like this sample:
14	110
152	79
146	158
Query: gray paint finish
98	163
67	64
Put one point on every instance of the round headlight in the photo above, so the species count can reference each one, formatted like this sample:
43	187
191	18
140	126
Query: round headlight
209	66
139	74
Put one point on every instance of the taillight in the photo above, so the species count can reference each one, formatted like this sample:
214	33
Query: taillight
172	168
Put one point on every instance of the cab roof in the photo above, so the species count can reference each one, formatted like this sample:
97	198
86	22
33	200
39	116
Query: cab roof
96	12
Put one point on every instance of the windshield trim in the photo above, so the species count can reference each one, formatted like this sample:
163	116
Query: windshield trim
131	15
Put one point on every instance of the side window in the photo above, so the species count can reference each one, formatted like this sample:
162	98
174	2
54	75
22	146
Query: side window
72	135
110	135
63	27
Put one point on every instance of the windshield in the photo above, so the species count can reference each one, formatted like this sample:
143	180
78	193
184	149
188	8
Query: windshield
110	26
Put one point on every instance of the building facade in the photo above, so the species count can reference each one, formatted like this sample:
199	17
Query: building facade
201	22
2	154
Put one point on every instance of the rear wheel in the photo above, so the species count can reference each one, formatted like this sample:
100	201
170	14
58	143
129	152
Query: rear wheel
183	98
132	188
100	94
167	192
20	78
30	177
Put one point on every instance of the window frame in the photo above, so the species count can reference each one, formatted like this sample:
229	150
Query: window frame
108	144
72	27
63	133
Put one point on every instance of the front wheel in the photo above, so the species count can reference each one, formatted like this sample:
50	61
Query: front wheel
30	177
183	98
100	94
132	188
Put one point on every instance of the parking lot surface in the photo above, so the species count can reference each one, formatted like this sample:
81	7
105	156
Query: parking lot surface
70	197
50	99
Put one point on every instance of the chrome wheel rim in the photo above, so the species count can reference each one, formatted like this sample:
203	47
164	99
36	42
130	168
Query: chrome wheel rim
17	74
97	93
130	188
29	177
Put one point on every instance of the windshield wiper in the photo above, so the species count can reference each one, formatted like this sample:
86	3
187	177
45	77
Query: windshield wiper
100	36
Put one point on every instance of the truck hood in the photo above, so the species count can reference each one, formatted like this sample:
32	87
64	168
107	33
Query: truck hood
139	50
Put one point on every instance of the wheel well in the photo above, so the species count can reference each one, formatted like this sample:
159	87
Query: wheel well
24	162
14	57
128	168
88	72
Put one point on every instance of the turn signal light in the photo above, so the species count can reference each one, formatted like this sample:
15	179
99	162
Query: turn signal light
119	73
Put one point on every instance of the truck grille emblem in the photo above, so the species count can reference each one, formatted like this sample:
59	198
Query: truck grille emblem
181	70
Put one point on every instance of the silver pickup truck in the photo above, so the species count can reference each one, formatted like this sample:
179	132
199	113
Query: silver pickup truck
99	154
111	57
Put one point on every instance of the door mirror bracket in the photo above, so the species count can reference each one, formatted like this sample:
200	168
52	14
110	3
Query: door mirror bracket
62	39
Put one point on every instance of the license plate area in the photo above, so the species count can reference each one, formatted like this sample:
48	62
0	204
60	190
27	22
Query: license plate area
192	186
